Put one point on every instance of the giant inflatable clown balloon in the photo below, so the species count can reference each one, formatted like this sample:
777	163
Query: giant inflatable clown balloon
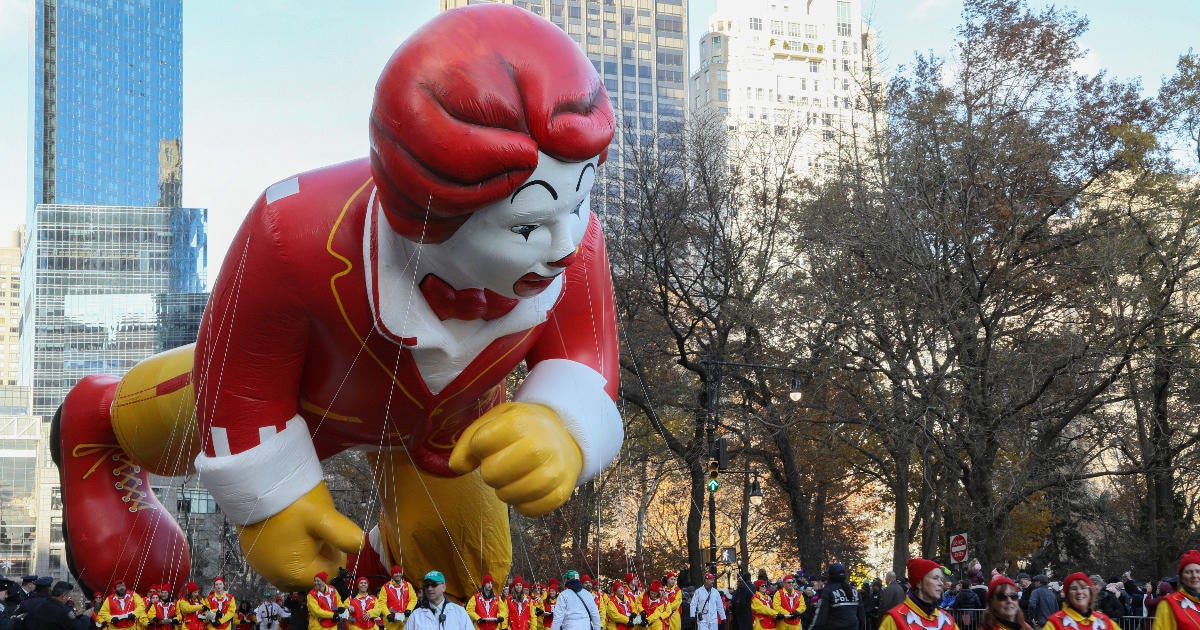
380	305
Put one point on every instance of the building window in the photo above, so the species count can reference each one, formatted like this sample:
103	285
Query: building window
814	66
777	27
795	29
716	41
196	501
722	94
810	31
755	24
843	18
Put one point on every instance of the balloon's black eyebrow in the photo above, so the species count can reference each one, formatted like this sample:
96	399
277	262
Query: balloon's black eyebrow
553	193
585	168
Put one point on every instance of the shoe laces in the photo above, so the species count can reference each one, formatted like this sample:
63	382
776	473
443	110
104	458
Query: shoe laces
126	471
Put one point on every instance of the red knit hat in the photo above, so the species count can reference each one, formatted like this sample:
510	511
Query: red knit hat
616	583
362	578
997	582
1076	577
759	584
487	579
396	569
670	574
191	587
518	580
1189	557
656	586
323	575
586	579
553	583
629	578
918	568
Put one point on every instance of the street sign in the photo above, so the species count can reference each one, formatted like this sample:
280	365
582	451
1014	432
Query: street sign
958	548
728	555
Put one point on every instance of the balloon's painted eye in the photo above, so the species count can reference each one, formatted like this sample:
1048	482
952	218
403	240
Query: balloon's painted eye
578	207
523	230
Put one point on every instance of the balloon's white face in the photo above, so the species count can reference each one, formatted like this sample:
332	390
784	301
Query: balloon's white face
518	245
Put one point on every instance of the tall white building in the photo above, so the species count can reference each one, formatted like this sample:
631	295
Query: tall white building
793	69
12	243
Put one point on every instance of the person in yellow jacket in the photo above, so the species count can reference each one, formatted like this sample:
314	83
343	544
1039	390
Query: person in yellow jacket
486	608
656	608
190	606
635	588
222	607
366	611
1181	609
1077	611
597	596
621	613
789	602
398	598
544	609
765	617
122	609
325	607
161	610
674	596
919	611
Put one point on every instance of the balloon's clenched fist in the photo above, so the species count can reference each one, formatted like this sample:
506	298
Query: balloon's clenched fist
524	452
307	537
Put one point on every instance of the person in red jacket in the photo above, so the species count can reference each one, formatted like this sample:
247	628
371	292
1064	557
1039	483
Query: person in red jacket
163	612
520	607
1078	607
919	610
365	610
1181	610
485	607
383	302
122	609
325	607
190	607
222	607
398	598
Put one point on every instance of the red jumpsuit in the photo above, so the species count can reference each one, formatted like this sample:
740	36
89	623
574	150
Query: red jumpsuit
362	609
329	359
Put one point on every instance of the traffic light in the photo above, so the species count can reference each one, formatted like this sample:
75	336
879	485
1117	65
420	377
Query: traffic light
722	453
714	468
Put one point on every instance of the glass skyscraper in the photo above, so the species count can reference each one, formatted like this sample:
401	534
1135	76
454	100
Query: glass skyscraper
107	90
114	269
109	248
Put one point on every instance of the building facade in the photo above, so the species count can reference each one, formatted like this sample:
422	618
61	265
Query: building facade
113	268
795	72
105	233
640	49
12	243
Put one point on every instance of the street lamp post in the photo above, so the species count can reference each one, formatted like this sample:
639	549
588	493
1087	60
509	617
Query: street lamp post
755	496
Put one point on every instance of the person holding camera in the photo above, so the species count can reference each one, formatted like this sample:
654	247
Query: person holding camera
707	607
434	611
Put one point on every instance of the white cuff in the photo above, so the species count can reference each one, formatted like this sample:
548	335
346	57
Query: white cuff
576	393
258	483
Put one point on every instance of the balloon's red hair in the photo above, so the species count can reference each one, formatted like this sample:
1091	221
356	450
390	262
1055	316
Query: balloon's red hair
464	106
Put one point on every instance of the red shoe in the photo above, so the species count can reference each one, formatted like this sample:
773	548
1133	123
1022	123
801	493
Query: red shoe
114	526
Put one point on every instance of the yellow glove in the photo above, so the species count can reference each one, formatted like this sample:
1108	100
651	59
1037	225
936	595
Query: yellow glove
525	453
307	537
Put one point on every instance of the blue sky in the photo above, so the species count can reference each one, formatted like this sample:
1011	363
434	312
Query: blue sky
273	87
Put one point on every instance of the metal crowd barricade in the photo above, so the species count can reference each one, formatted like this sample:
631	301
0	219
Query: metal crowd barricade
968	618
1136	623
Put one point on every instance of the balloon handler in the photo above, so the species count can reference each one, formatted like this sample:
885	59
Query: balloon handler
379	304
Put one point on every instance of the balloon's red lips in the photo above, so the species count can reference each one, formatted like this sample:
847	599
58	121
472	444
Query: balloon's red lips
532	284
